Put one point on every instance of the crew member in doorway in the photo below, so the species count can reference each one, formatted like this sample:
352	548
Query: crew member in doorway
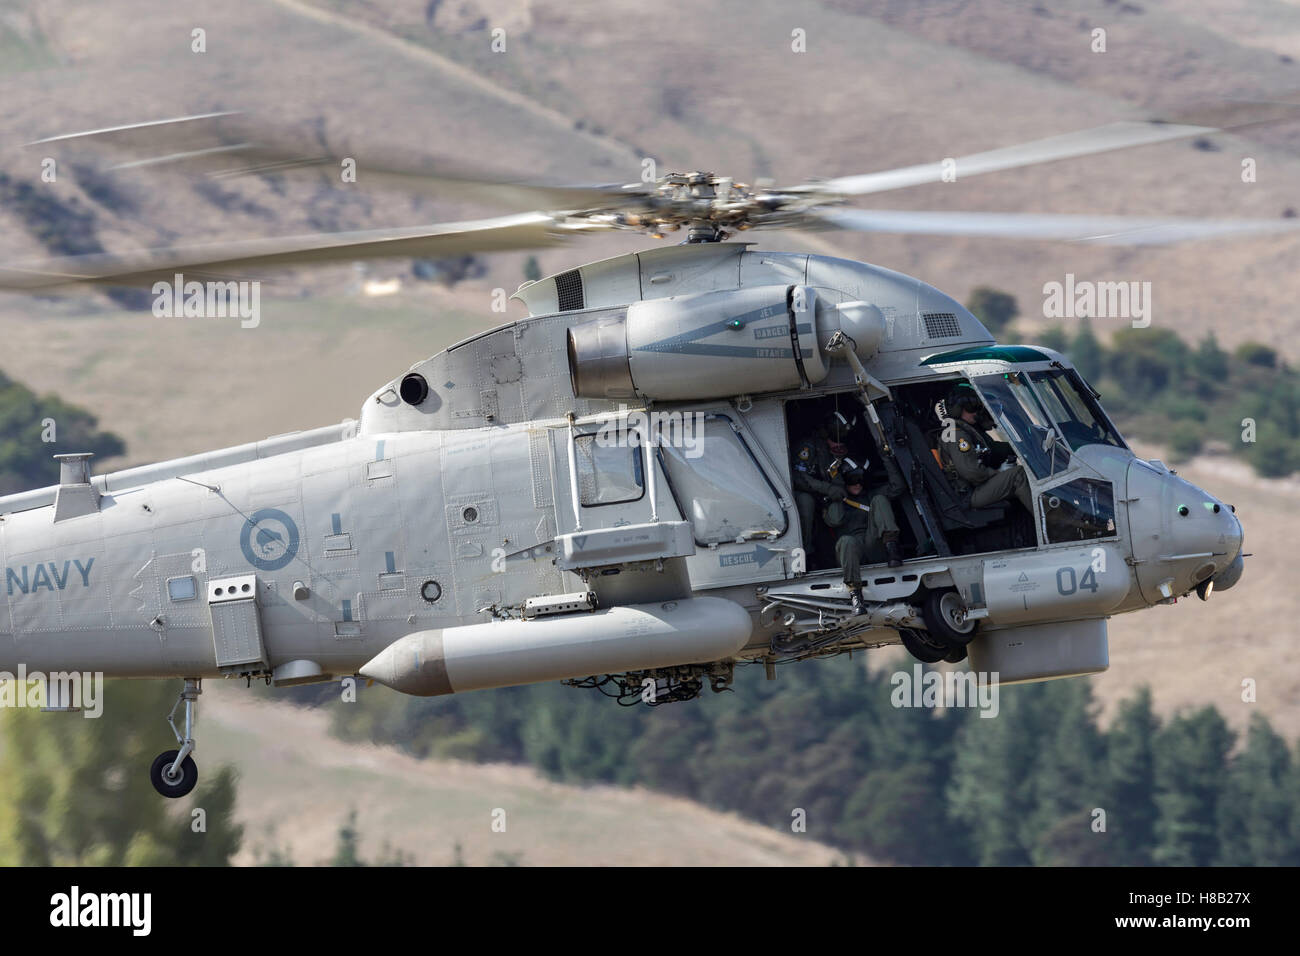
865	527
814	471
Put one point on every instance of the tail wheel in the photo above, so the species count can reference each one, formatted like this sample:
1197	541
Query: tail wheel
945	618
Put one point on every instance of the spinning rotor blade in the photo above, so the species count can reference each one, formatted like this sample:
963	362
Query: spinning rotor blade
1106	230
233	259
1101	139
223	145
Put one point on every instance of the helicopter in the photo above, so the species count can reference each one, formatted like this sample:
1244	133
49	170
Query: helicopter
602	492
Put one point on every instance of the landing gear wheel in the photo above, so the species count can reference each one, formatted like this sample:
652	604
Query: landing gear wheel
945	618
955	656
174	772
919	647
177	784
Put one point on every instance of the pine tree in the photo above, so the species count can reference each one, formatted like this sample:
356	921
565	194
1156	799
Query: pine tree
993	307
346	847
1087	353
1209	361
992	782
1257	809
1131	810
1191	764
1069	780
897	814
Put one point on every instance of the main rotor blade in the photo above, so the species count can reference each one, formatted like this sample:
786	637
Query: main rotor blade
1106	230
222	145
1123	135
234	259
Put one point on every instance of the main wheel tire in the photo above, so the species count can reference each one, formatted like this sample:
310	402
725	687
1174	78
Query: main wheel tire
955	656
945	618
188	777
919	647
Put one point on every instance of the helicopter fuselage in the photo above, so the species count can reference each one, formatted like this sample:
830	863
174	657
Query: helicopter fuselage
605	487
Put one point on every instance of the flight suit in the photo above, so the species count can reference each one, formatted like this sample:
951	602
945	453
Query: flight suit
987	485
813	475
860	534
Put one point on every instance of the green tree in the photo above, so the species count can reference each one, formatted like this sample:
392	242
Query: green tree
1054	338
892	815
1191	764
27	421
1258	807
993	307
1146	362
1209	361
1257	354
992	789
1131	810
1185	440
1069	779
347	843
1273	453
1087	353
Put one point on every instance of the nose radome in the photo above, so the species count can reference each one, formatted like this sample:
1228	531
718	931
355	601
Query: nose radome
1182	536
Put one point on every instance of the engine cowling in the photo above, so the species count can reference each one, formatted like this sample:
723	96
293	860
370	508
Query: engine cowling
714	344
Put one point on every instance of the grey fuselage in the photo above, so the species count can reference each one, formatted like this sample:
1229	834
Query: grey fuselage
448	513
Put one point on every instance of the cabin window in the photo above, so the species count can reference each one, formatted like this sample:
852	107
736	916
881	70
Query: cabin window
610	470
718	484
182	589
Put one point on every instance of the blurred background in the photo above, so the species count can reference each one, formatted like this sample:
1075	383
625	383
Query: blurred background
1188	741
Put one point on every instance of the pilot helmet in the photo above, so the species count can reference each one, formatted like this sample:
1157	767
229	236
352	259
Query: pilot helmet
838	425
963	398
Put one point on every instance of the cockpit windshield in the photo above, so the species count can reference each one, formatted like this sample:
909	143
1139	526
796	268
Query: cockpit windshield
1071	403
1020	417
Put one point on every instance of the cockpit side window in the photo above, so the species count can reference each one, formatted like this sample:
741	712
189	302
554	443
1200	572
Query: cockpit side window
1071	404
1019	416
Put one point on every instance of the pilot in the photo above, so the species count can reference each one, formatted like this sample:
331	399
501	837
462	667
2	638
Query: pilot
973	459
864	524
813	470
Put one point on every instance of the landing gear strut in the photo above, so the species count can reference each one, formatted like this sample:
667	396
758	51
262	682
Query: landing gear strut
174	772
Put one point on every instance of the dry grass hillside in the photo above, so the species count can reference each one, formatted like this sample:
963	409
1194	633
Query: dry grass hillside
426	807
